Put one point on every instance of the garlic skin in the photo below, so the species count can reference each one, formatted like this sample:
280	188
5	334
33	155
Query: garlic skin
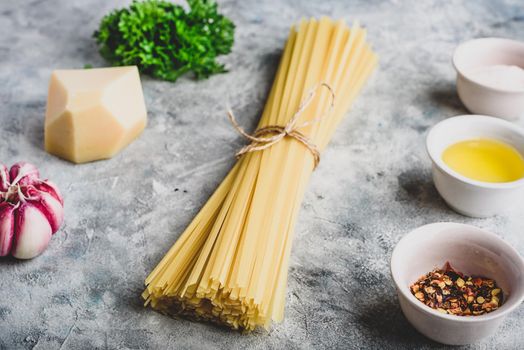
31	211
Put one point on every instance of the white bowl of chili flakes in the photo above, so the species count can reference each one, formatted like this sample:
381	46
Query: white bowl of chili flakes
472	252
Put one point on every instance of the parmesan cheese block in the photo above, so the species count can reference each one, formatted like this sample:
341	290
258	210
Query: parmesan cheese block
92	114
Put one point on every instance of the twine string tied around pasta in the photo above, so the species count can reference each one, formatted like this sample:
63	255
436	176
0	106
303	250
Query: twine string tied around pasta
269	135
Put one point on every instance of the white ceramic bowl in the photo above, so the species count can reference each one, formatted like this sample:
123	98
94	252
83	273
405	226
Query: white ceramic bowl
466	196
469	250
480	98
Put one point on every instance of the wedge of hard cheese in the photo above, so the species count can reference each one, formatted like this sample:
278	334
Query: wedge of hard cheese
93	113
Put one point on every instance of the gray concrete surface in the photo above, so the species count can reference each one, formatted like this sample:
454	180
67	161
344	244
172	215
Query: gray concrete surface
373	184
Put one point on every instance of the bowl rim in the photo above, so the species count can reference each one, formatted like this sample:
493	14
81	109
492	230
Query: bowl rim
458	51
501	312
437	160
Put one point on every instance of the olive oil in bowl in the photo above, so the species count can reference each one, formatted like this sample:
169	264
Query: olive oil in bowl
486	160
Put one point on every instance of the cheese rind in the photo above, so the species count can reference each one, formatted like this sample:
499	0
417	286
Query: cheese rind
93	114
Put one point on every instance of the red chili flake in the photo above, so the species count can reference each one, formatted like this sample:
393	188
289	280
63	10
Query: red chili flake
452	292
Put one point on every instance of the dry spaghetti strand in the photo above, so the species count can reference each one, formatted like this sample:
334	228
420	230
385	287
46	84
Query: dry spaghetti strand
230	265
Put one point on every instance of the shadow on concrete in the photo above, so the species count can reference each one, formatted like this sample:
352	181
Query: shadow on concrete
9	260
446	96
384	319
29	122
416	186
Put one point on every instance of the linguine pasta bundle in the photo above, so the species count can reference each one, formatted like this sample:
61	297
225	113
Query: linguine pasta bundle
230	265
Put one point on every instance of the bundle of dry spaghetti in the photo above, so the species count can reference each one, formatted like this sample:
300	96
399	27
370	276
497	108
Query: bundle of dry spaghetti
230	265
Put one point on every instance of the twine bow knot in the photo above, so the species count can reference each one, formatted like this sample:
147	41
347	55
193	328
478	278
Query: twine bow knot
260	140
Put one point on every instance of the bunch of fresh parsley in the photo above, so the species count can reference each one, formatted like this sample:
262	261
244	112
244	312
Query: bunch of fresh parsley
166	41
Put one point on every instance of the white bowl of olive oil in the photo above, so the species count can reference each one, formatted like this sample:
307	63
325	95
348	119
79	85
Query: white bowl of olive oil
478	164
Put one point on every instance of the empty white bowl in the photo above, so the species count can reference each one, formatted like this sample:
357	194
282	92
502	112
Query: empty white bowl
481	98
467	196
469	250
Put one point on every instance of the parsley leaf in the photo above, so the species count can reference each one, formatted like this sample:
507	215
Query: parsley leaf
166	41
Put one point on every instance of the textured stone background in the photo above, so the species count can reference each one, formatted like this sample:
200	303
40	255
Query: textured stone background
373	184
